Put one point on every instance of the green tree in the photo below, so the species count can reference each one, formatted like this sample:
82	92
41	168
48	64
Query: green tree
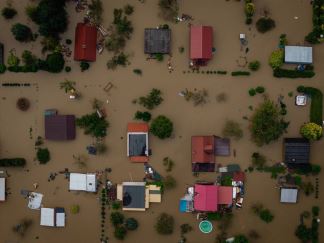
276	58
232	129
266	215
43	155
152	100
84	66
131	224
93	125
55	62
96	11
22	32
145	116
161	127
267	124
311	131
8	12
265	24
164	224
117	218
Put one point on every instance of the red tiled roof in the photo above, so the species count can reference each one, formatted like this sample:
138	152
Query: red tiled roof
139	159
137	127
225	194
205	198
239	176
85	42
202	149
201	42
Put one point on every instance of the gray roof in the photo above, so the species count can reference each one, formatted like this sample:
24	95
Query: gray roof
157	41
136	195
298	54
222	146
288	195
137	144
297	151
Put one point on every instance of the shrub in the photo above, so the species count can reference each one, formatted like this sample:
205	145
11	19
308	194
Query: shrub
311	131
131	224
164	224
254	65
252	92
258	160
51	17
8	12
96	11
68	41
120	232
21	32
161	127
276	58
169	182
217	216
315	211
93	125
43	155
232	129
169	9
117	218
159	57
286	73
84	66
265	24
240	239
115	42
260	89
168	164
314	37
122	24
316	109
185	228
316	169
120	59
267	124
221	97
116	205
199	97
222	72
23	104
75	209
3	68
67	69
152	100
13	162
50	44
54	62
128	9
137	71
145	116
240	73
31	11
307	187
13	60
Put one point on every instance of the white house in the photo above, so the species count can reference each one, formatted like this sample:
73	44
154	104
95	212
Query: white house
83	182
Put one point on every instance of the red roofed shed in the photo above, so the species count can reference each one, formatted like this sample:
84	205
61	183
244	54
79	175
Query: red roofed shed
85	43
225	195
205	198
201	43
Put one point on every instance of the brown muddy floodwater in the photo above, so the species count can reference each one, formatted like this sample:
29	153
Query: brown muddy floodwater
227	19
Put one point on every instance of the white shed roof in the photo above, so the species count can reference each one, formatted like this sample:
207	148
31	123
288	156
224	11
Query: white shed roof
299	54
288	195
2	189
60	219
47	217
83	182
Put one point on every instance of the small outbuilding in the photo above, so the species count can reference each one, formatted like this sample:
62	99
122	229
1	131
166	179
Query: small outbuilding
2	189
60	127
203	153
157	41
137	142
296	153
52	217
83	182
85	47
201	44
298	54
288	195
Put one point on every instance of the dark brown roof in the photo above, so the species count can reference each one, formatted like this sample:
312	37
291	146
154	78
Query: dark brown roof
60	127
297	152
157	41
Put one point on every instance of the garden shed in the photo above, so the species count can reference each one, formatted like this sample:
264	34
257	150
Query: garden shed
296	152
137	142
288	195
52	217
83	182
85	47
157	40
201	44
298	54
222	146
203	153
60	127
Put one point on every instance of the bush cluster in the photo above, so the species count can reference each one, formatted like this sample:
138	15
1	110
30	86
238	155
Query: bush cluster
314	37
240	73
286	73
13	162
93	125
145	116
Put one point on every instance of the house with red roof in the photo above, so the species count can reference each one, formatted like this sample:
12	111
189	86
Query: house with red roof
208	197
201	44
203	153
85	47
137	142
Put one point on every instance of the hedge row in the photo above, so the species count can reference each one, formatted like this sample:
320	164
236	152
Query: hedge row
286	73
318	21
240	73
316	109
12	162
